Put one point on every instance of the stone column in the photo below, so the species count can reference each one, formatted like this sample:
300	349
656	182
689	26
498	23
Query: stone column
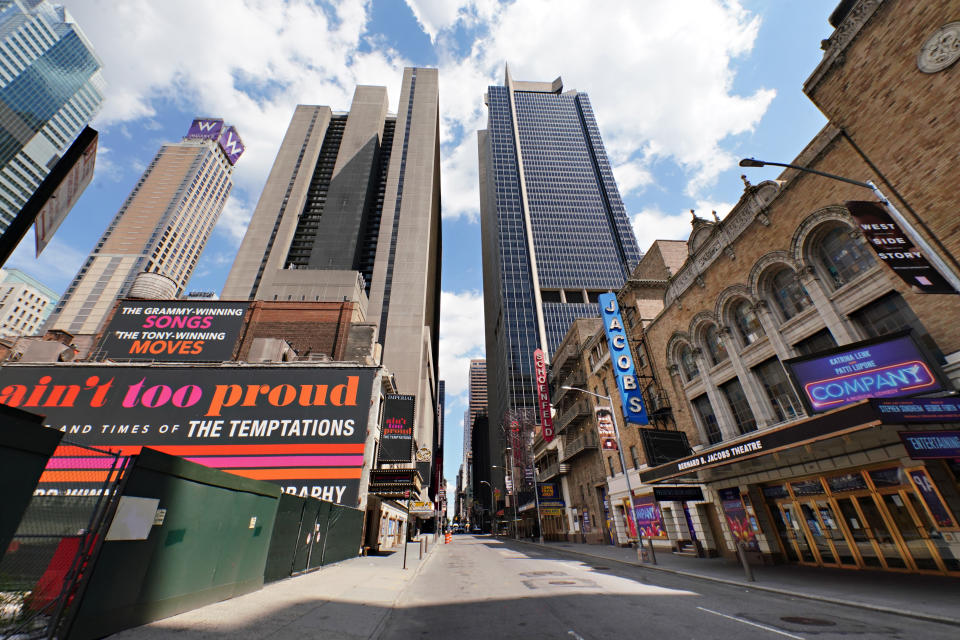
721	408
841	331
756	396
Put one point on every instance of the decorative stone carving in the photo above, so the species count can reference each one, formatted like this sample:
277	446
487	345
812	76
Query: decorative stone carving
941	49
699	279
798	244
729	252
764	263
835	46
763	218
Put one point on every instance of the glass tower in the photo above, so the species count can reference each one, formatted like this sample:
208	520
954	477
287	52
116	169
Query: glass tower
555	235
50	89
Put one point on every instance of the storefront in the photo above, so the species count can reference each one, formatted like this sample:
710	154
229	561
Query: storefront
868	486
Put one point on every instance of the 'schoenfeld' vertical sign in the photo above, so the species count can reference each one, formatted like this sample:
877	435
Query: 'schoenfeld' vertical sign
543	394
623	369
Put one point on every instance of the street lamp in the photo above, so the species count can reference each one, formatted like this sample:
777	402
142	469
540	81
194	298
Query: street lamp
623	463
927	249
513	492
493	506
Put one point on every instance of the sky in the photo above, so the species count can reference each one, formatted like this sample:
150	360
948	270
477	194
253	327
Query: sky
681	91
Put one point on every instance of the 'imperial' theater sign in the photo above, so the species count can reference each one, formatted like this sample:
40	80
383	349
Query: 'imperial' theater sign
881	368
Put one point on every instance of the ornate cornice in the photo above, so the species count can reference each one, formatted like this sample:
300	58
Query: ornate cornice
835	46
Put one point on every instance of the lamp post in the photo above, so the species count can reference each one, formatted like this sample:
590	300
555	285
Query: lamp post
493	506
907	227
623	463
513	493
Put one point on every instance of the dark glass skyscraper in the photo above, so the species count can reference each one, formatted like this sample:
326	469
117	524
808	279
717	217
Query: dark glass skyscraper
555	232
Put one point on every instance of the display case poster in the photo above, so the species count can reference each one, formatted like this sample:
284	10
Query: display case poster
737	518
646	511
936	508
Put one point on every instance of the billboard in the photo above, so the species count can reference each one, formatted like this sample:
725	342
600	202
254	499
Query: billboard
396	432
662	446
606	428
620	355
543	394
205	128
895	248
231	144
174	330
880	368
55	196
300	427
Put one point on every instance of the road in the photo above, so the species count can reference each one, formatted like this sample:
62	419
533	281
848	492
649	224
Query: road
482	587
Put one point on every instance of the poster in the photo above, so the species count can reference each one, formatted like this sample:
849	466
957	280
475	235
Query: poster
646	512
302	427
737	519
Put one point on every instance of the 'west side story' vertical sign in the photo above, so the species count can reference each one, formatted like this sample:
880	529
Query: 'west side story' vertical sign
620	356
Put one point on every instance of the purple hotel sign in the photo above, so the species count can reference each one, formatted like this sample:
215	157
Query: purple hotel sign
205	128
885	368
231	144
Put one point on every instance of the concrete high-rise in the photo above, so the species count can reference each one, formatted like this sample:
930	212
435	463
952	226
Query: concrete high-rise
158	234
50	89
351	210
555	234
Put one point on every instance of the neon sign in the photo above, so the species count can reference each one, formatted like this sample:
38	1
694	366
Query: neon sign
872	369
623	368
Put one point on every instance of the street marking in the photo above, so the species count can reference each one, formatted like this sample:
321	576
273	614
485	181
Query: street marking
576	635
752	624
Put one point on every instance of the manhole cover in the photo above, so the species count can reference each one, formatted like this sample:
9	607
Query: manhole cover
563	582
810	622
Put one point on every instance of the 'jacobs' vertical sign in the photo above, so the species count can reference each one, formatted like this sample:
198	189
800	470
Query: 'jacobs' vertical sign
543	394
623	369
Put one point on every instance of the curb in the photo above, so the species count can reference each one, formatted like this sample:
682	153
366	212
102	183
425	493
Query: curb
752	585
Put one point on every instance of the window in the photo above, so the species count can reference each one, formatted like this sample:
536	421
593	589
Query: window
820	341
634	456
613	471
788	294
711	338
747	323
737	400
890	314
687	363
779	392
844	258
701	404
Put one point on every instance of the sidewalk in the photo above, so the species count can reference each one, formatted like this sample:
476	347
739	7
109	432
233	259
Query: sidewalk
927	597
349	599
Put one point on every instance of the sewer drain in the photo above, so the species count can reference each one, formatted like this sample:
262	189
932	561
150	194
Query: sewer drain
811	622
602	568
563	582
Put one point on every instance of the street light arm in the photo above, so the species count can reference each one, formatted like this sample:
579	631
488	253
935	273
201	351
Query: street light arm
569	388
753	162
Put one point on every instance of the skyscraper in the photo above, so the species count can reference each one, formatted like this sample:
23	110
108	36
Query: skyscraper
50	89
555	233
158	234
351	210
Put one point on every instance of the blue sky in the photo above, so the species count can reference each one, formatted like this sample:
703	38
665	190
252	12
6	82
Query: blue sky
681	91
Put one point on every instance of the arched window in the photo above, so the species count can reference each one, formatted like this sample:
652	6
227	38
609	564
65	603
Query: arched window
747	323
790	296
688	364
844	258
711	339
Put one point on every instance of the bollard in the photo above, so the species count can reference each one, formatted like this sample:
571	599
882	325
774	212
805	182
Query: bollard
653	556
421	548
742	553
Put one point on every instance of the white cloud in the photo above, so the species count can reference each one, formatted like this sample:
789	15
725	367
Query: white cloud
461	337
434	15
659	74
653	224
55	267
250	63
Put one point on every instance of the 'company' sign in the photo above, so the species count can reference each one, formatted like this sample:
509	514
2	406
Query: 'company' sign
890	367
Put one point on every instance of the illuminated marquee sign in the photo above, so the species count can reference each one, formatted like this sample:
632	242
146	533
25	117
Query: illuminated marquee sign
543	394
623	369
890	367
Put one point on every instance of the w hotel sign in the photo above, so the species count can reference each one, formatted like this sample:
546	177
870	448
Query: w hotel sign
225	135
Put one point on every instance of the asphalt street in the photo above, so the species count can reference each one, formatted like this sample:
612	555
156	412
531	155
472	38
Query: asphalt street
481	587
